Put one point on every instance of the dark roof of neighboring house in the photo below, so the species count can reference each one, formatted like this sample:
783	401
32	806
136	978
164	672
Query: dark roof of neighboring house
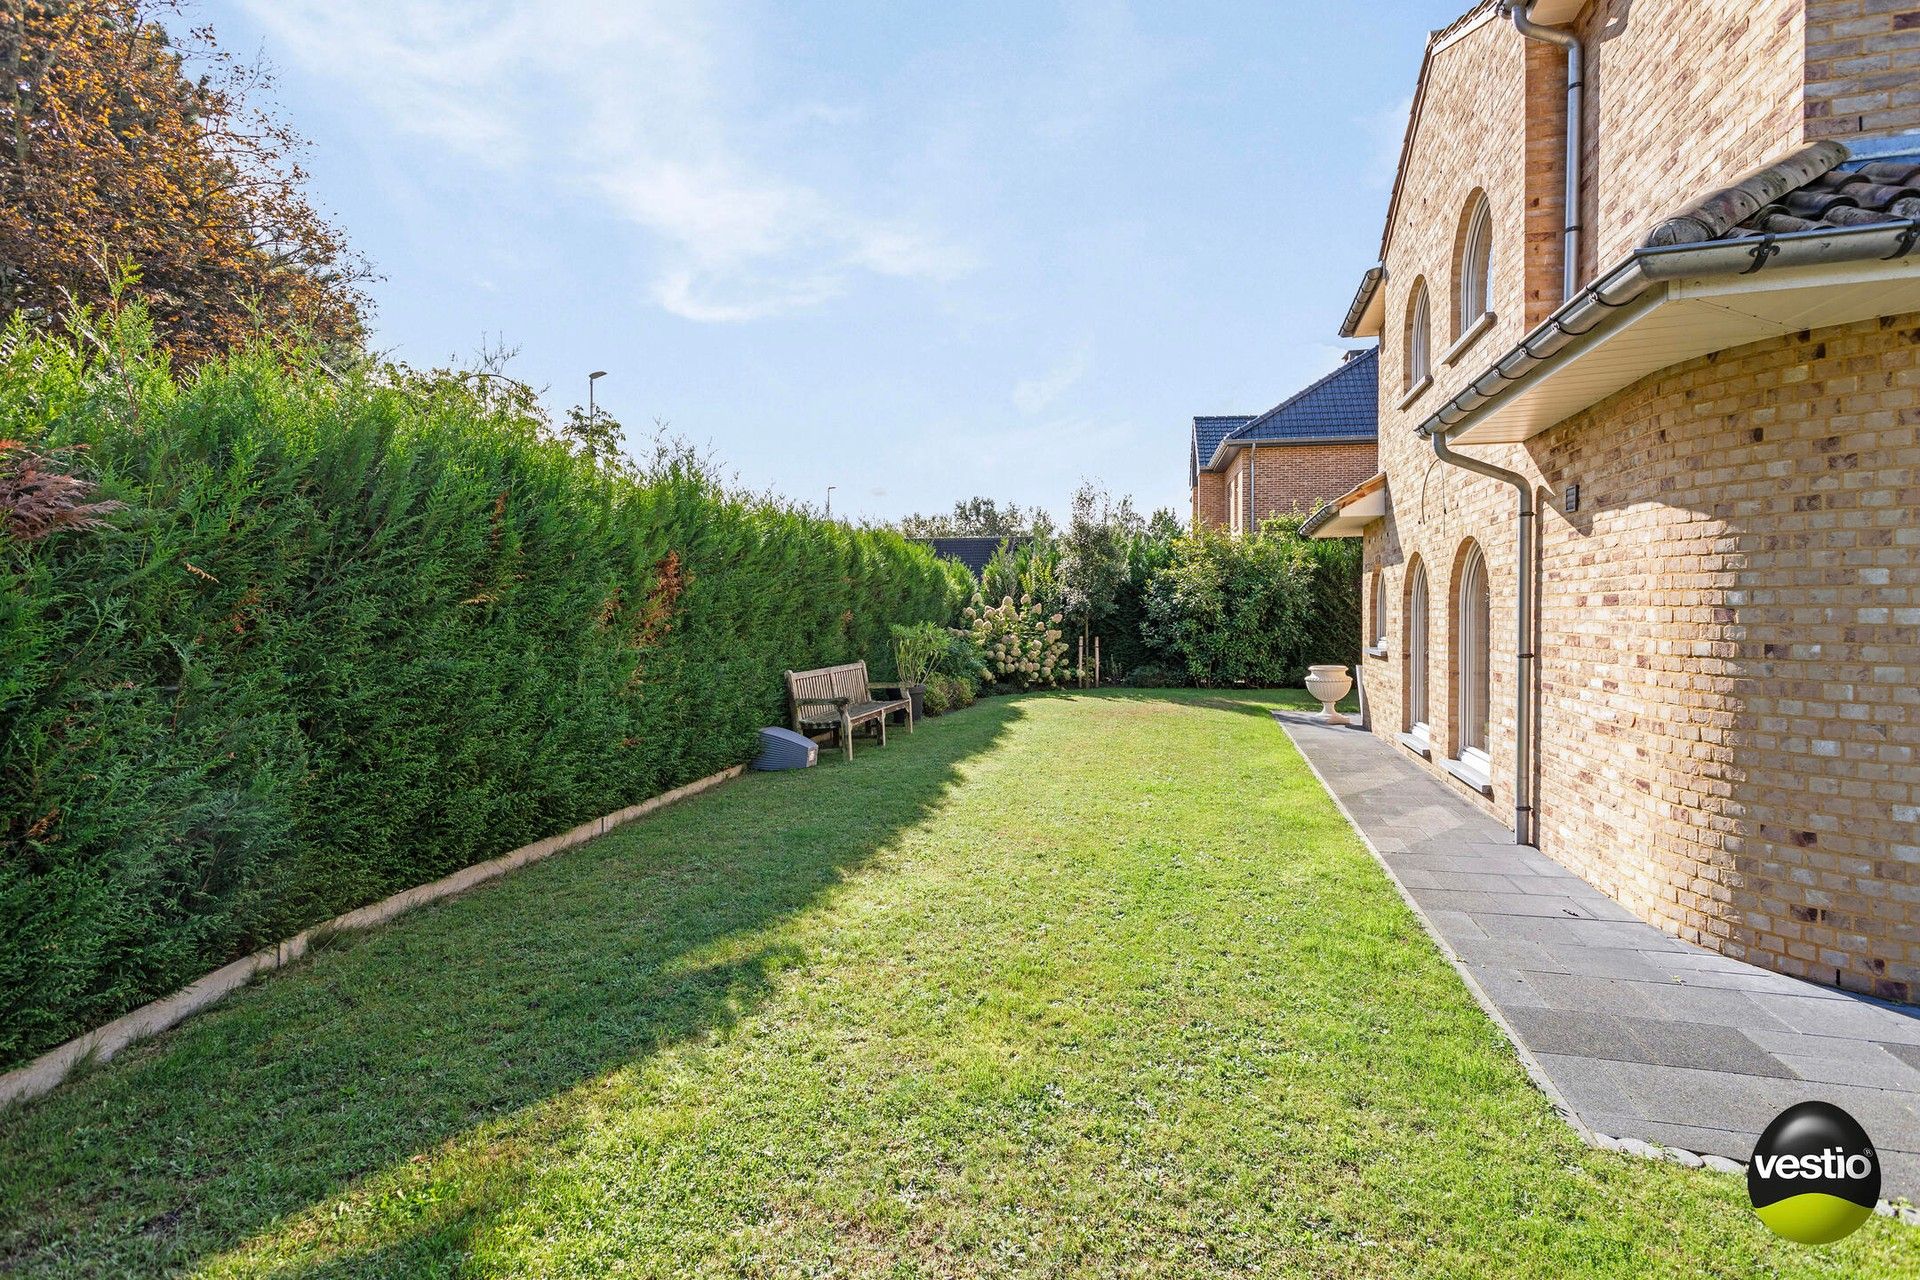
1344	405
971	552
1208	432
1817	188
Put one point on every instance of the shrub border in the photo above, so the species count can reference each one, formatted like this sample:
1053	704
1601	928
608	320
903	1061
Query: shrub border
46	1072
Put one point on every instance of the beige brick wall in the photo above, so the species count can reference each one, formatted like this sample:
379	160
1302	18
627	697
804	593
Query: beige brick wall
1730	646
1287	479
1729	624
1681	97
1862	70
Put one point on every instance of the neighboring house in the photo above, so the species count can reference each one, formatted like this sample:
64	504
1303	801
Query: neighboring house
1293	457
1683	473
972	552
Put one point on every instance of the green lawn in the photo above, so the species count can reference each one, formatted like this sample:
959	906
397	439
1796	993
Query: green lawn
1064	985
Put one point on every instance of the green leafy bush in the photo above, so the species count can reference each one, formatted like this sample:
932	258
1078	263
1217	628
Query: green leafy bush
1254	610
350	632
1149	676
948	693
936	699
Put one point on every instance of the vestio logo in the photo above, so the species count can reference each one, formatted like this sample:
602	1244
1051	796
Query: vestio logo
1814	1176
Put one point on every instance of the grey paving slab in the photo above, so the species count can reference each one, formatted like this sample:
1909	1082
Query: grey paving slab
1637	1034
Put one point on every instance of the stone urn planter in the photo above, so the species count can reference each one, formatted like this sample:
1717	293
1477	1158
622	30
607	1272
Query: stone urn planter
1329	682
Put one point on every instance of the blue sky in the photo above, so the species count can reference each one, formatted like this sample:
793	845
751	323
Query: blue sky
914	251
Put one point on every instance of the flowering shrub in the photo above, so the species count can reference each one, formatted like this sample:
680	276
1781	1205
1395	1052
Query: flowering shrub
1020	642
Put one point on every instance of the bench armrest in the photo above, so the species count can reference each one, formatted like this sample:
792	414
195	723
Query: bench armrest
895	685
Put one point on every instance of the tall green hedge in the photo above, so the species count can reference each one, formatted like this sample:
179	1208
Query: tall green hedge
350	633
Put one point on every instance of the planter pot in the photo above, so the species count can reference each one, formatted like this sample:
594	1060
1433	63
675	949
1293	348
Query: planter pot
917	694
1329	682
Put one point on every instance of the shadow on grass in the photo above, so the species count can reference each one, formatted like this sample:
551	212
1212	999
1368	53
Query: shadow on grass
456	1023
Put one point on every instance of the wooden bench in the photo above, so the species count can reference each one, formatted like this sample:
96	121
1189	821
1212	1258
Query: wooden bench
840	698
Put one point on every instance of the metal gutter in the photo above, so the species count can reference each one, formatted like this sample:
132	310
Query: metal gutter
1523	654
1625	292
1628	290
1362	298
1318	520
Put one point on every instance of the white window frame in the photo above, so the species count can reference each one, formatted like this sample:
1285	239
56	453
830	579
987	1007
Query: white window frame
1475	269
1418	711
1472	694
1378	635
1419	339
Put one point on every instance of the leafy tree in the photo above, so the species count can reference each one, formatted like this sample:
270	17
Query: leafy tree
1093	556
597	435
980	518
112	151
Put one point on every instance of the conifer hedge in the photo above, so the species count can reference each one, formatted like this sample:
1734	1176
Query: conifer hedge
349	633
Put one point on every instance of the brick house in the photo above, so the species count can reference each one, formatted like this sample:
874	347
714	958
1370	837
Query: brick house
1642	567
1311	446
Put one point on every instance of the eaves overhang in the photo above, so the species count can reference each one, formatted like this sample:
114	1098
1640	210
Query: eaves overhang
1663	306
1348	515
1366	314
1223	453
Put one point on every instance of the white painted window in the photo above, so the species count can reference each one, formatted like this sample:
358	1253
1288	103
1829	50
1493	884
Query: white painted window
1471	611
1474	270
1419	348
1416	650
1380	610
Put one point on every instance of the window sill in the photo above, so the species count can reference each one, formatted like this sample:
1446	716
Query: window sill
1473	334
1376	651
1417	744
1413	392
1470	772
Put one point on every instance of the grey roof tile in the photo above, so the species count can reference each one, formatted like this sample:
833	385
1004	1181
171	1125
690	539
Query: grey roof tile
1817	187
1343	405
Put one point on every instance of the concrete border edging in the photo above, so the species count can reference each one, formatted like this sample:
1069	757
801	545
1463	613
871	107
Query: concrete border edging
44	1073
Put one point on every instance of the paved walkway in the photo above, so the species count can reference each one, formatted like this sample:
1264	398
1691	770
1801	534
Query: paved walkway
1641	1035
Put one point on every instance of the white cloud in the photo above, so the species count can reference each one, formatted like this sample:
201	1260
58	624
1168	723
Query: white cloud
639	107
1032	395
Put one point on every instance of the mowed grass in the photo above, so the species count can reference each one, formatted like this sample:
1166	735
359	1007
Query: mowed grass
1066	985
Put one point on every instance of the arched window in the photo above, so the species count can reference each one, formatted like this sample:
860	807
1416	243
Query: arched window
1419	353
1474	269
1416	651
1379	632
1470	612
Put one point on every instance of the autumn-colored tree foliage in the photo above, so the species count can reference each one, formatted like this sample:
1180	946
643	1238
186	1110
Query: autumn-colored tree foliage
119	145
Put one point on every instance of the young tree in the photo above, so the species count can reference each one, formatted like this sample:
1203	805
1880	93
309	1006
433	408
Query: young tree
1093	555
112	151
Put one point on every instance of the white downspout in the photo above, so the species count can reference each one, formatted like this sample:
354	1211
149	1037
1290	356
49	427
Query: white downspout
1525	827
1576	90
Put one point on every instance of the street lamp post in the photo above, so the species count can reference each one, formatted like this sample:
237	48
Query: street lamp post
830	489
592	378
